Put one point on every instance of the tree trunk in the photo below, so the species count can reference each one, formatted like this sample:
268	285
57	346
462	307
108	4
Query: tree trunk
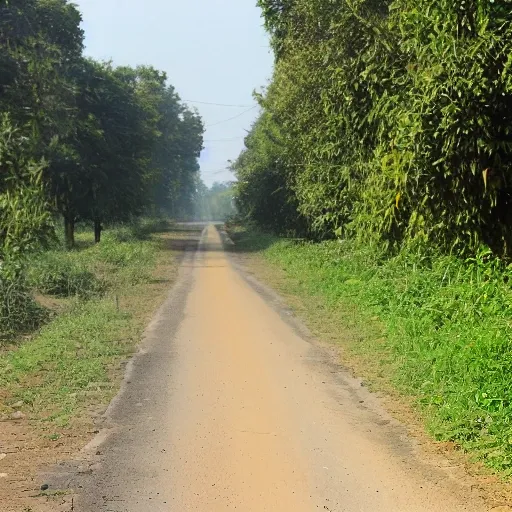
69	230
98	228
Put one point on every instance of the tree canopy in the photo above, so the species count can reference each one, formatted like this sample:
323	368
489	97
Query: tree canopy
108	142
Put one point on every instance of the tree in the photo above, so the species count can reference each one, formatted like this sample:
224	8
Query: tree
185	181
277	16
393	121
175	156
115	141
264	194
41	44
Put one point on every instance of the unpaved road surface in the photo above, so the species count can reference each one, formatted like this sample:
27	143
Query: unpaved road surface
228	407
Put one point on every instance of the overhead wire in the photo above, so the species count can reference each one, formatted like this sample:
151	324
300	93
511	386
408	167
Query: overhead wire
232	118
217	171
217	104
224	140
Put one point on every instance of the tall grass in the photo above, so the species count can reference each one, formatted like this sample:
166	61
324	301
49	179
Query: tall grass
446	329
69	361
64	274
124	256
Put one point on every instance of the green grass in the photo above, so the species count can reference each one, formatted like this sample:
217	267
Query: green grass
438	329
53	373
104	293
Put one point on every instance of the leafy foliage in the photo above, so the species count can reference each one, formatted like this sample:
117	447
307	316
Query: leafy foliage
391	131
25	222
393	120
112	138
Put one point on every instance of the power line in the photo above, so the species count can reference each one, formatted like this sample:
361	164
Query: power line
218	171
216	104
231	118
223	140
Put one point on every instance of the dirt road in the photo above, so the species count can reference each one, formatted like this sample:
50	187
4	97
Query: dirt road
228	408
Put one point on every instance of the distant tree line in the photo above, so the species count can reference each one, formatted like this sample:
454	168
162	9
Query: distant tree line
83	139
216	202
387	120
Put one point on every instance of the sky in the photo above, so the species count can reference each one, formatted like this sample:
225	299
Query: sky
213	51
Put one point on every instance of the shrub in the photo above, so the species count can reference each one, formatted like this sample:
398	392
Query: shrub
62	275
19	312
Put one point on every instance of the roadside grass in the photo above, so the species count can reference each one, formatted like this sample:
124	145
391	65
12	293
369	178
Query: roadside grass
55	373
101	297
436	329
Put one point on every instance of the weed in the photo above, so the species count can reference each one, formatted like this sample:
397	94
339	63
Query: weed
63	275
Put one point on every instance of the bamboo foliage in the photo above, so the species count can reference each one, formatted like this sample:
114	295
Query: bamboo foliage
395	117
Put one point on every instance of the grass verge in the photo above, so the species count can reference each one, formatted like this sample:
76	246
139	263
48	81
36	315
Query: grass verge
101	297
438	330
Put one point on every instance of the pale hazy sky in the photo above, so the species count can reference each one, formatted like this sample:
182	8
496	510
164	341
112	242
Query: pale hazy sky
213	51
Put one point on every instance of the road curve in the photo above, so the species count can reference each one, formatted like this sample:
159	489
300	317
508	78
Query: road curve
228	408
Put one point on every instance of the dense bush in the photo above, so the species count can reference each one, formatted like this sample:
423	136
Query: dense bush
19	312
391	120
25	224
63	275
391	128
